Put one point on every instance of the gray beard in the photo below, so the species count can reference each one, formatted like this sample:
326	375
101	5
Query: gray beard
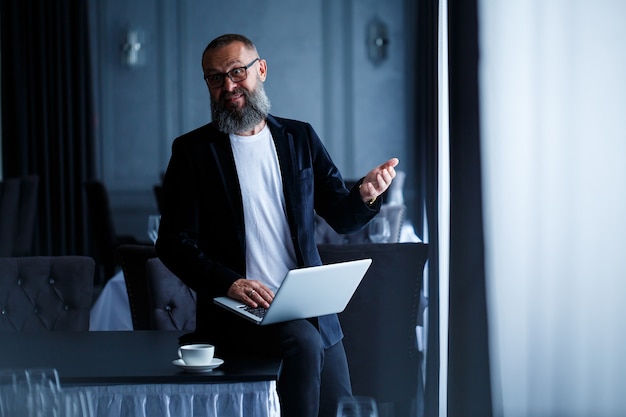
246	118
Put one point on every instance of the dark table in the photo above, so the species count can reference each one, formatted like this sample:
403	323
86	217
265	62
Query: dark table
114	365
135	357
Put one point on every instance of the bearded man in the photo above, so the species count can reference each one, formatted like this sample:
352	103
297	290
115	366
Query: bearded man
238	211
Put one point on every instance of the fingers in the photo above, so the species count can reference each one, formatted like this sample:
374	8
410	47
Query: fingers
387	171
256	298
392	163
388	166
378	180
251	292
383	181
384	178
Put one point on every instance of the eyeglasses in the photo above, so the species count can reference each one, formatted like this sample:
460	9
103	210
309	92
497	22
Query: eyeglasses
236	75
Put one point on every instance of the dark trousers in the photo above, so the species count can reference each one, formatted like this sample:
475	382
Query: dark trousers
312	379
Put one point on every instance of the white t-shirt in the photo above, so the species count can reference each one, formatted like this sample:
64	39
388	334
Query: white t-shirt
269	250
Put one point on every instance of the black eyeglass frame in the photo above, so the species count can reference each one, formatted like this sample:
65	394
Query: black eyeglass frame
222	76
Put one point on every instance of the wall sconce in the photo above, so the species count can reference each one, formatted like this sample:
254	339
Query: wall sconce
133	49
377	41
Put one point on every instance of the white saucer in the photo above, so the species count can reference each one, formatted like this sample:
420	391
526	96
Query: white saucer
198	368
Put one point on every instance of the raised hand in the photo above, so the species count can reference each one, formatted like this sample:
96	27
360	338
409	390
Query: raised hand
378	180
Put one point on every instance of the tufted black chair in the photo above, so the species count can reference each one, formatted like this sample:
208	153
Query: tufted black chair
158	299
104	240
172	304
133	259
45	293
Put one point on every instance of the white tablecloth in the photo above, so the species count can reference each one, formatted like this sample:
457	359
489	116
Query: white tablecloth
250	399
111	311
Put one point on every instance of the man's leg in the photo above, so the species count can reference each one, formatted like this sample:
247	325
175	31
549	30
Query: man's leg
335	380
300	346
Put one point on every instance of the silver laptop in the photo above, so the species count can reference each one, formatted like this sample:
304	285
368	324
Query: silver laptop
306	292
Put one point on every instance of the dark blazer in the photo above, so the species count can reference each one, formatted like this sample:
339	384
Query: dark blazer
202	236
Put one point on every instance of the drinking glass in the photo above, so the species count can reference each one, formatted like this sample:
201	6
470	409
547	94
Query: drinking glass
43	390
153	227
77	403
8	391
29	392
37	392
357	406
379	230
44	377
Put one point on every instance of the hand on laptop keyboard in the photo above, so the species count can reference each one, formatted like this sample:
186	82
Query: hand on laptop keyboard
251	292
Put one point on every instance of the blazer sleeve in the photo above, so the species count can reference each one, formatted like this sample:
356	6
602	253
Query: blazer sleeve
343	209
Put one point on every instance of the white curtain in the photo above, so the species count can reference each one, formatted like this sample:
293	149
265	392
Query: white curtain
553	137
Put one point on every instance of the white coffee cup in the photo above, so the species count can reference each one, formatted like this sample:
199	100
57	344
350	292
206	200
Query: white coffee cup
197	354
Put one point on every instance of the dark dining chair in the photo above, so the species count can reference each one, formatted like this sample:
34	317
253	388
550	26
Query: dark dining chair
158	299
103	237
18	215
45	293
381	320
172	304
133	259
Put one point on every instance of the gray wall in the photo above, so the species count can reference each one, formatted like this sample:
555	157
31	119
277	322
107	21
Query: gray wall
318	71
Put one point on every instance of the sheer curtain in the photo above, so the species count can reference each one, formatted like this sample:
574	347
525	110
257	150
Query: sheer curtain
553	105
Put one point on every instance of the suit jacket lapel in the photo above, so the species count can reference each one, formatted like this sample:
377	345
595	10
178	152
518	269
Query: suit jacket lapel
286	157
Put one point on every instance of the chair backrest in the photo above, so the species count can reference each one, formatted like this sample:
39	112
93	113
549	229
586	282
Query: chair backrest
46	293
158	299
18	215
103	238
134	259
380	320
172	304
395	213
101	227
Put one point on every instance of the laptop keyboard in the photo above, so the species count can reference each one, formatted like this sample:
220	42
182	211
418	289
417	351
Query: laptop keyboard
258	311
